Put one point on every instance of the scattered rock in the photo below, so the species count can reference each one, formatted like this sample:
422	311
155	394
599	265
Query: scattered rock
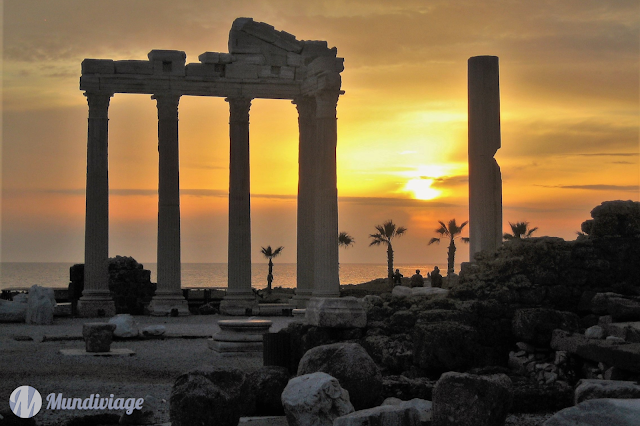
536	325
153	330
599	389
599	412
336	312
12	311
314	399
423	406
213	396
267	384
461	399
98	336
401	291
352	366
429	291
40	305
619	307
595	332
614	218
387	415
125	326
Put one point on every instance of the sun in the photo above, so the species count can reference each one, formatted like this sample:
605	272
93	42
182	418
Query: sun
421	181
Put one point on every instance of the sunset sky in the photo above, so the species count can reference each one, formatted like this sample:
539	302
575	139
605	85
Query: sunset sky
569	83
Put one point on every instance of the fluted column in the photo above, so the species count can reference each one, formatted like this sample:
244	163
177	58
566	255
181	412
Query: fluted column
306	180
326	282
96	299
240	298
168	295
485	179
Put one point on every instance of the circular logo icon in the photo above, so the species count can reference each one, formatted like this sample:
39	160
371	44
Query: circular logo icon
25	402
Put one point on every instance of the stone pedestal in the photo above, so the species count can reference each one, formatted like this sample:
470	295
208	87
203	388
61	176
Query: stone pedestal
336	312
485	179
239	337
96	299
98	336
169	293
239	296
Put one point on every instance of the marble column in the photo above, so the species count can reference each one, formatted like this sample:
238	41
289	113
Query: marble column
168	295
485	179
96	298
240	298
326	281
306	177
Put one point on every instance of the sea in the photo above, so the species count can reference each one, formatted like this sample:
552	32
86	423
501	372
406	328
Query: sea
22	275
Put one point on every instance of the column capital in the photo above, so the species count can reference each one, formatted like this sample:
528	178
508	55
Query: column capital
239	109
306	106
167	104
98	104
326	104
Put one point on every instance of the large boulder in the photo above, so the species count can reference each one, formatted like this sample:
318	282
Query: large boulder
213	396
599	412
267	384
446	346
614	219
621	308
387	415
40	305
461	399
599	389
314	400
424	407
12	311
536	325
125	326
352	366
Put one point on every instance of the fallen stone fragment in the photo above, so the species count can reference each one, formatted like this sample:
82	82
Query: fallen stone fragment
599	412
126	327
315	399
599	389
594	332
387	415
98	336
40	305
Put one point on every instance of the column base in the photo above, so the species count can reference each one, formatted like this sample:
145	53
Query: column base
238	305
336	312
301	299
168	305
98	305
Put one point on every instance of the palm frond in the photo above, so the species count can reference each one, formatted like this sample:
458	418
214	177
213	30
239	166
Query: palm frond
465	239
434	240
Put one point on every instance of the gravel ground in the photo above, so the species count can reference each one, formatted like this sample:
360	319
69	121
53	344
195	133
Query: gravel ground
39	363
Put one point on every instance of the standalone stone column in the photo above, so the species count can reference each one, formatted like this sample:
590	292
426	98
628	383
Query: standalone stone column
485	180
306	177
96	299
326	282
240	297
168	296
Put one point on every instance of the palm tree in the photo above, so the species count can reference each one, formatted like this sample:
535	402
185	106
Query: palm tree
520	230
345	240
452	230
270	254
386	232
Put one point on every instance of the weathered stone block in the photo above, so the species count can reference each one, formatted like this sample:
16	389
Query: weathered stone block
133	67
336	312
98	336
352	366
599	412
629	331
387	415
598	389
461	399
12	311
209	57
241	71
203	70
40	305
125	326
315	399
294	60
325	63
249	58
536	325
98	66
595	332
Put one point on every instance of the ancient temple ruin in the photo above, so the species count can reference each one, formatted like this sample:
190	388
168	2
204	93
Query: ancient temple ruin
262	63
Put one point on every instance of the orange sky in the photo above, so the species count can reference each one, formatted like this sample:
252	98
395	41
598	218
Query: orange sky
570	120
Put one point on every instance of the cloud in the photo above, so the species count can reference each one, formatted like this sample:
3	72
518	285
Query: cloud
632	188
611	154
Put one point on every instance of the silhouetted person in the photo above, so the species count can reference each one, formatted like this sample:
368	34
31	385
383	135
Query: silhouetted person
436	278
397	278
417	280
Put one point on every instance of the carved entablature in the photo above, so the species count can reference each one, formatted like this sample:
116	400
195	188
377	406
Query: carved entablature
262	63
